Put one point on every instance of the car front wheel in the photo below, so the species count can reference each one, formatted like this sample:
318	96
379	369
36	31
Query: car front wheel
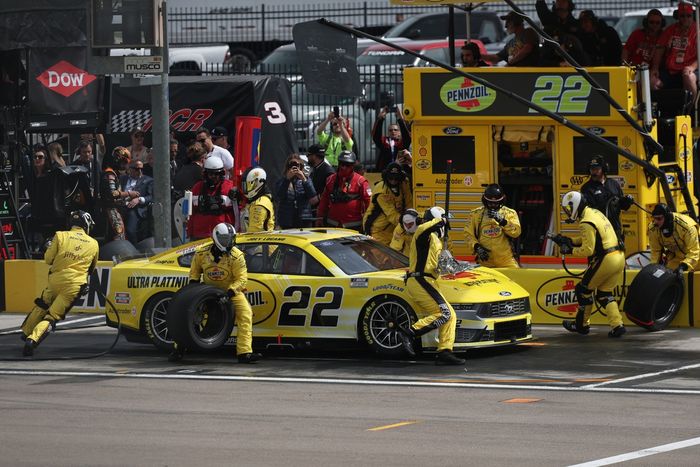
380	320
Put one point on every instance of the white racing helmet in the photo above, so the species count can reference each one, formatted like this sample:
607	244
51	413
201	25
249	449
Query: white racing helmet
214	164
436	212
255	181
82	219
224	236
573	203
409	220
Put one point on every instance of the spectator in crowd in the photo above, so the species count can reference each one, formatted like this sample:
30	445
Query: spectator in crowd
259	213
293	194
205	139
212	200
641	44
673	239
391	198
86	158
600	41
403	233
137	149
97	141
111	194
174	150
40	163
345	197
523	49
56	159
148	164
397	139
421	277
219	137
549	55
471	56
139	194
558	19
491	229
320	171
605	194
44	220
191	173
338	140
675	62
71	257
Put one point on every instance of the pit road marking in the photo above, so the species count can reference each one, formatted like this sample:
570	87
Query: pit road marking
641	453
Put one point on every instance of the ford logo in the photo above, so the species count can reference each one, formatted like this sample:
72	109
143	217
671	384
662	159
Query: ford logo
452	130
504	293
596	130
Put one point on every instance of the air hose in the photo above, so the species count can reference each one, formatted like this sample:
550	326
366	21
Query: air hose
109	303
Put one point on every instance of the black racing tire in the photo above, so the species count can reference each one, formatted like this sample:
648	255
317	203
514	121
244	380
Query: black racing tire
154	320
121	248
653	298
379	321
197	320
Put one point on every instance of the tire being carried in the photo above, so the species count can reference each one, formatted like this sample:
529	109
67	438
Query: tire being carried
198	320
654	297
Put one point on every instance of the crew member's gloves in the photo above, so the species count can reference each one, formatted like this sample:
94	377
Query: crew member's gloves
680	270
566	248
84	289
626	202
495	215
225	299
481	252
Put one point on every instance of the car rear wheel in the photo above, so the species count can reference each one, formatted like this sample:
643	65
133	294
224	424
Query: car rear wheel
196	318
380	320
155	320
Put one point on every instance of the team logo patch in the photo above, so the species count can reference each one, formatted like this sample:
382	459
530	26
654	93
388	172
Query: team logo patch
216	274
122	298
464	95
359	282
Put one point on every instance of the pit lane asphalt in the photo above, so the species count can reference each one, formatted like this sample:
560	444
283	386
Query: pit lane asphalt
562	399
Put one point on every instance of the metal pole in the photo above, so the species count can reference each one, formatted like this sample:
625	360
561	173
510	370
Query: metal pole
161	147
451	34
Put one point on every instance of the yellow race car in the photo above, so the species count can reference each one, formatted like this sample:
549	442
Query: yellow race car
314	287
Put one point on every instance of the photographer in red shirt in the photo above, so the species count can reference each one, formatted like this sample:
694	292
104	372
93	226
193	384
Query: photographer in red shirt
345	197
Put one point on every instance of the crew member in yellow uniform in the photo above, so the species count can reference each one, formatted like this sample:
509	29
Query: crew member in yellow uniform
223	266
673	239
490	230
421	284
403	233
72	256
259	214
389	200
606	261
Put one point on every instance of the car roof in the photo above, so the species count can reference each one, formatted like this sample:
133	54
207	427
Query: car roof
665	10
425	44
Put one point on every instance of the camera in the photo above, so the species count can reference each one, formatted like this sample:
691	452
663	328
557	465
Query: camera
336	111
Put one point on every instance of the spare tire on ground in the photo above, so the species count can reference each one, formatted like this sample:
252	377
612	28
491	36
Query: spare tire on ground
121	248
654	297
197	320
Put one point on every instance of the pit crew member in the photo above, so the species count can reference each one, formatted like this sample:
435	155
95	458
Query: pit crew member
403	233
259	213
223	266
673	239
423	263
345	197
491	229
606	261
72	257
392	197
211	200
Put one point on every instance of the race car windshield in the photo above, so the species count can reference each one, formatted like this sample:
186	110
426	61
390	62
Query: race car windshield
359	256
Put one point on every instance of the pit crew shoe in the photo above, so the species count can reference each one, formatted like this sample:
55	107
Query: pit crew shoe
176	355
406	337
570	325
249	357
28	349
618	331
446	357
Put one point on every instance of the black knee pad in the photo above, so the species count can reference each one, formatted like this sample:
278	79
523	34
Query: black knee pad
604	298
583	295
39	301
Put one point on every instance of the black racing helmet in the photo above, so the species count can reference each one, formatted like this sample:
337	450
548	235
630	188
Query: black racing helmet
493	197
347	157
662	209
82	219
598	162
393	171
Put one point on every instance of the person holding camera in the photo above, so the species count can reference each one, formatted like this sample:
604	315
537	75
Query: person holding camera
345	197
212	200
491	229
338	140
397	140
294	192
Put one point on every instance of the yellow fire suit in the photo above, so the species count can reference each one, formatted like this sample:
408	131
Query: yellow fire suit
421	284
401	240
231	274
481	229
259	215
384	211
606	261
680	247
72	257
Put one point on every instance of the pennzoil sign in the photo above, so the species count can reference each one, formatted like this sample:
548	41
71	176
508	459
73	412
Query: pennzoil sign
557	297
464	95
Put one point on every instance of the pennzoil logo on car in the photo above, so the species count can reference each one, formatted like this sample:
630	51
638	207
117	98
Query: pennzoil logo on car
452	130
464	95
423	164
